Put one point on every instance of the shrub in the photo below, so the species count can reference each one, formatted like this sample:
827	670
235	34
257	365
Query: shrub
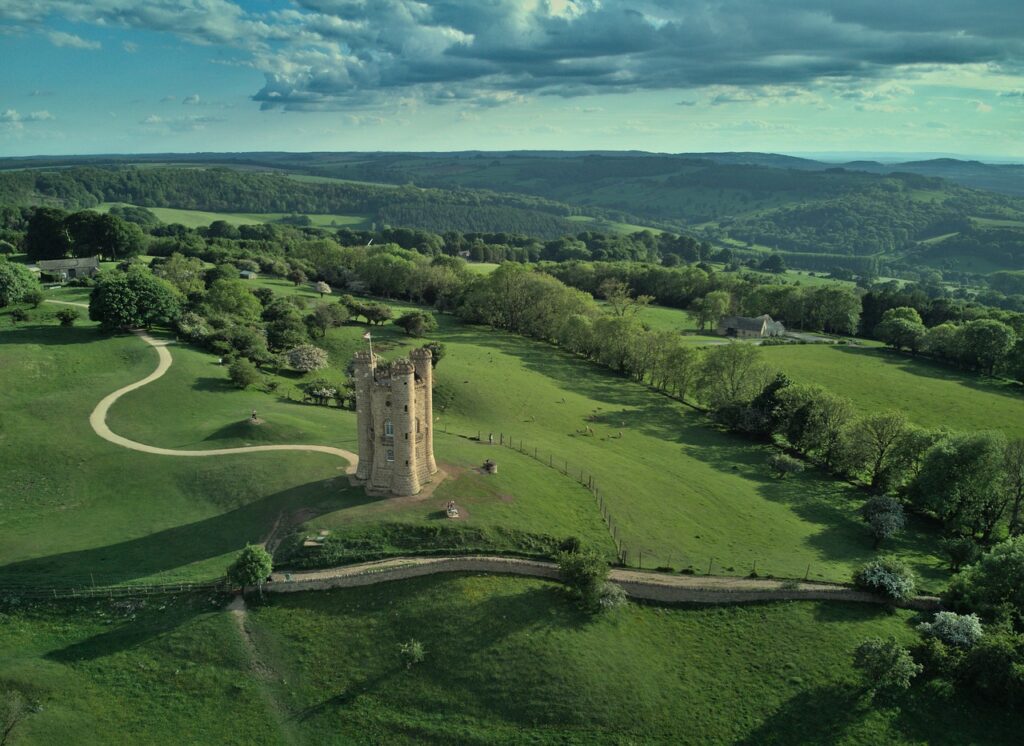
243	373
784	465
305	358
19	314
417	323
611	596
885	665
961	630
33	297
586	574
888	576
412	652
68	316
884	516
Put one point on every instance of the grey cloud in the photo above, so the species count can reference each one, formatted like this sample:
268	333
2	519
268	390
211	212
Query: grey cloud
62	39
336	54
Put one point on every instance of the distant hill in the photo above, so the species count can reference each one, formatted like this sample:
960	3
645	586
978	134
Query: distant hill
901	215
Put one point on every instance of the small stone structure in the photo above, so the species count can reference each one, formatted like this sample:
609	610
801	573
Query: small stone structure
394	415
63	270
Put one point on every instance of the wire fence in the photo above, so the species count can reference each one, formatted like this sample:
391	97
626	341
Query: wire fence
76	589
629	554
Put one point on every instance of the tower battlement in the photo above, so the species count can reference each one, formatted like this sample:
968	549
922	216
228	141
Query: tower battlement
395	417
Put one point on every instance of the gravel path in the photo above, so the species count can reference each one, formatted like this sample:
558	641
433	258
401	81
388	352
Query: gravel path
98	418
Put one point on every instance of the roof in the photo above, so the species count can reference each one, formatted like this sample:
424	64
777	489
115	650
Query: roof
86	262
743	323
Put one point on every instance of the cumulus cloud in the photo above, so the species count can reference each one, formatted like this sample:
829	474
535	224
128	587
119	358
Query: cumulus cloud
62	39
336	54
193	99
130	47
12	115
981	107
178	124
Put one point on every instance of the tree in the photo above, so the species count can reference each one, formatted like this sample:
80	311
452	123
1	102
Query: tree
305	358
327	316
773	263
417	323
993	587
884	515
412	652
376	313
710	309
986	342
620	300
961	482
233	298
1014	484
323	288
243	373
731	374
16	282
297	276
585	573
126	300
67	316
885	665
870	448
889	576
437	351
47	237
184	272
813	420
33	297
252	567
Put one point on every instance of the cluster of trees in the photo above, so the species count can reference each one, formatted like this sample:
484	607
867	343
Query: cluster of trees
985	345
977	646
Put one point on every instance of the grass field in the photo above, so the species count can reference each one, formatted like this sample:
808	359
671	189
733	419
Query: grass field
932	395
507	661
201	218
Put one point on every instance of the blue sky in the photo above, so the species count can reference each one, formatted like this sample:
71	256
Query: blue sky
921	76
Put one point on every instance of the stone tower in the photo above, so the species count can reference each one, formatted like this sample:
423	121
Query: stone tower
395	417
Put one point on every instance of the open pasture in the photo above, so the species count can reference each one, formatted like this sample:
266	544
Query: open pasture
202	218
931	394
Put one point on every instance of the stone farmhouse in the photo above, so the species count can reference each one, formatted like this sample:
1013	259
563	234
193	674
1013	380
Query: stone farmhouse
744	327
394	419
63	270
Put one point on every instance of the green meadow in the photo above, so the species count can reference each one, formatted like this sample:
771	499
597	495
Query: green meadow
202	218
508	661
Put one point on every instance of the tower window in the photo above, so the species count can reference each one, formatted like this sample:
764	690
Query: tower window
417	424
390	454
389	429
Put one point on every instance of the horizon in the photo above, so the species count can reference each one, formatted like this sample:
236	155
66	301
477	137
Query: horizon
132	77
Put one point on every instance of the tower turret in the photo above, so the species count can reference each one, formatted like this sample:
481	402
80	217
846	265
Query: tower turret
365	364
405	479
422	360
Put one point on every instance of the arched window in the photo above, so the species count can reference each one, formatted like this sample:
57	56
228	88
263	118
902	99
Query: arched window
389	429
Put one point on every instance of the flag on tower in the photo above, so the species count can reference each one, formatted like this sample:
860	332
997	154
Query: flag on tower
366	336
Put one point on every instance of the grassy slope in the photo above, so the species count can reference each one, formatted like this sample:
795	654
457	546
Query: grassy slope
201	219
932	395
512	661
76	508
680	491
508	661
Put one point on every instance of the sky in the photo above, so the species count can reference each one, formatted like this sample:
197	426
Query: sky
786	76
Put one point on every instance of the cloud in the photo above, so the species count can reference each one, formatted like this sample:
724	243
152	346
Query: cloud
192	100
1016	93
168	98
130	47
339	54
981	106
62	39
189	123
12	115
686	102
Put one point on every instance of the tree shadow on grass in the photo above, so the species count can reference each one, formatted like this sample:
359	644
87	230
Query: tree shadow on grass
39	334
812	717
176	547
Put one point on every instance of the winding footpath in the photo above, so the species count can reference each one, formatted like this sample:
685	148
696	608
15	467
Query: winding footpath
98	418
653	586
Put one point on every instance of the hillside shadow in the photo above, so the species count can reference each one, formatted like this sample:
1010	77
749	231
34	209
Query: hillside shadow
46	335
818	716
179	546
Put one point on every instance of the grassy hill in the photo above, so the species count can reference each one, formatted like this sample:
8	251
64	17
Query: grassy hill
507	661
